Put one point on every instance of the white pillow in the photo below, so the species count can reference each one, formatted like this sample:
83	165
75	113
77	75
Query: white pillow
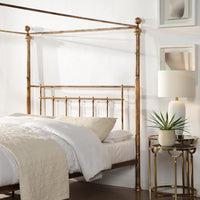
117	136
100	126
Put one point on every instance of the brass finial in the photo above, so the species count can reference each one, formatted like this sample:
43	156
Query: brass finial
27	29
138	20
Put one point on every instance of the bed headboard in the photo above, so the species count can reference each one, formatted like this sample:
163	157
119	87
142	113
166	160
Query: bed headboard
107	100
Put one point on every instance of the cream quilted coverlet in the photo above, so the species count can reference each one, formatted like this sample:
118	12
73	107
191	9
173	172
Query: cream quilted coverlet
41	161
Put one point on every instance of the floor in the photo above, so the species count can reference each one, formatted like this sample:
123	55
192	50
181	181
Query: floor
88	191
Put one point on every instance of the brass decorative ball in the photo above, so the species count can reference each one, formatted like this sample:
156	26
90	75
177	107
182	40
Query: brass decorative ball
138	20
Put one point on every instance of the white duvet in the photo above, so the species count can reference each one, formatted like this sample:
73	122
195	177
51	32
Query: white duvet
83	149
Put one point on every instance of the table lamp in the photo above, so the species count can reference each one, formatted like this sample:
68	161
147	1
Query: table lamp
174	83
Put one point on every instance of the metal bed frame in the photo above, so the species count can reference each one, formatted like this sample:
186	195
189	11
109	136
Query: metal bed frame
137	30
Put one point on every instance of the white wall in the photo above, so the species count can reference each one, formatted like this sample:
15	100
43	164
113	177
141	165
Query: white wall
109	56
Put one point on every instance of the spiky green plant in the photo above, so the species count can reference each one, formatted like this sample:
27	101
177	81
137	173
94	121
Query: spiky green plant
164	123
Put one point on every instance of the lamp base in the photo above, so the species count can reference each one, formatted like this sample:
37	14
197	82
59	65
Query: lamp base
176	107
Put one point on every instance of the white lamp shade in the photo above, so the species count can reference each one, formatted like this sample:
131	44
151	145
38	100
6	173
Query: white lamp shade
176	83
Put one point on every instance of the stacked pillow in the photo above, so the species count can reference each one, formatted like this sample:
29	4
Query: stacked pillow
99	125
118	136
102	127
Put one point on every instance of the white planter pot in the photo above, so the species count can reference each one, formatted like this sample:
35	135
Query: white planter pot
167	137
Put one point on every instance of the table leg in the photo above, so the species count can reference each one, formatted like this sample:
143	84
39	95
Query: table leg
155	175
192	175
183	172
175	175
188	172
149	169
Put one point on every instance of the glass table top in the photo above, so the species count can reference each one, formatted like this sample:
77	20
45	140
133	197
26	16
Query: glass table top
179	137
176	147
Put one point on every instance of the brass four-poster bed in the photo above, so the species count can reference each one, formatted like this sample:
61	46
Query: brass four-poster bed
137	29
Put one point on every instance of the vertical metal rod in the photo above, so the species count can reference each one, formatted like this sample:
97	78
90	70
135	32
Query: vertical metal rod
40	100
53	100
79	106
175	177
188	171
149	169
122	107
28	76
65	105
107	107
92	106
192	175
137	105
183	171
155	175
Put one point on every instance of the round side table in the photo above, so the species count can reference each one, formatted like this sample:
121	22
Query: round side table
183	149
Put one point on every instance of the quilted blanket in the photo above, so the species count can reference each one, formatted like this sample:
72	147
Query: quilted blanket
41	161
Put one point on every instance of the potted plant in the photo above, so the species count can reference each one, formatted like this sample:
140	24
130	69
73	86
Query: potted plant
167	127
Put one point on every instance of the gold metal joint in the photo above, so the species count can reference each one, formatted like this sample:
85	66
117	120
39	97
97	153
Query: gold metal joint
28	38
137	76
138	188
137	31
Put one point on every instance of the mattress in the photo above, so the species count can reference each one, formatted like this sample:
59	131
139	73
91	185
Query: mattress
118	152
121	151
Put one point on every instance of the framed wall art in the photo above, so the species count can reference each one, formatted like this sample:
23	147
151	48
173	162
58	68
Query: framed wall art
174	13
178	58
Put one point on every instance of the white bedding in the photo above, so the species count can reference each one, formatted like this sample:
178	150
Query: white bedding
121	151
83	149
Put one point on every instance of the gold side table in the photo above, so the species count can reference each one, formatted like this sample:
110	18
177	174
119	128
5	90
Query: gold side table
183	149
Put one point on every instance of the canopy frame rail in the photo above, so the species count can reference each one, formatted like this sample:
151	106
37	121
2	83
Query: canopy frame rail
63	15
66	31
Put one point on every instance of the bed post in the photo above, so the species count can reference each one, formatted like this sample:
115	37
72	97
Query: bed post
137	104
28	76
